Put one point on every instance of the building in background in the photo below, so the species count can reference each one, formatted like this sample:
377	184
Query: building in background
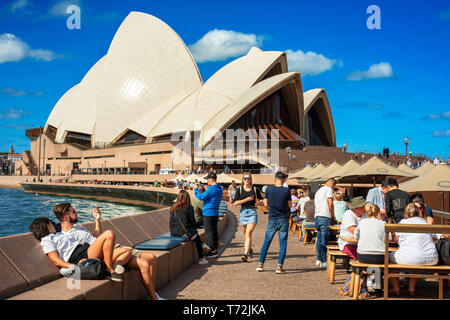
146	96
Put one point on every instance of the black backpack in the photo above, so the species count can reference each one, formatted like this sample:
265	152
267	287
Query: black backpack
443	249
89	269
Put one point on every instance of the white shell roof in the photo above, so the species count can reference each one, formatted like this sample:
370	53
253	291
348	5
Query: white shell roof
148	82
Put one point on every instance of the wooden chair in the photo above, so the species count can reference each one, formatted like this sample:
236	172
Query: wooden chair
309	230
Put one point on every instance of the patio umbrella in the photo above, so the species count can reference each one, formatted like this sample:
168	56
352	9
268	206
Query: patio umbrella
348	166
436	179
325	174
315	171
224	178
193	177
424	168
301	173
404	167
375	169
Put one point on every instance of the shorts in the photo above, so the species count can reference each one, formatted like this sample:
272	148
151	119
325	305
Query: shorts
79	253
248	215
134	252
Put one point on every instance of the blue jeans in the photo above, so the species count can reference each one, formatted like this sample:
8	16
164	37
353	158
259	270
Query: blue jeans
323	235
274	225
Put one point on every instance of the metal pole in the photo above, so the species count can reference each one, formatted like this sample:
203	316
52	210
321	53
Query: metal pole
39	160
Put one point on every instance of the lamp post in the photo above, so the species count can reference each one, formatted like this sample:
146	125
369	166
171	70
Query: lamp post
406	142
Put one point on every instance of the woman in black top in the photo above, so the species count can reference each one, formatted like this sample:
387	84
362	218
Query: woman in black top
182	222
247	196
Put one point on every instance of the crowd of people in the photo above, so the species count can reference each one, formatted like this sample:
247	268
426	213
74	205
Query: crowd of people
362	220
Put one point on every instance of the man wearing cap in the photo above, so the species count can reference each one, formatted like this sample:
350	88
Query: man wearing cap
349	223
211	200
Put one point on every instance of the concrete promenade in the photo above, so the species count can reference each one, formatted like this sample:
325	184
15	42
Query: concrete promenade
226	277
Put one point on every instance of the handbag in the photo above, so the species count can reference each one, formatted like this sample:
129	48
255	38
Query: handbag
89	269
191	232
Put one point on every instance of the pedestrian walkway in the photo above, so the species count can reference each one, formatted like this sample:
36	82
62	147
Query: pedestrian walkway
227	277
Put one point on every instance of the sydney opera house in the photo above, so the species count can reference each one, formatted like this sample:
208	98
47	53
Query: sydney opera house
124	113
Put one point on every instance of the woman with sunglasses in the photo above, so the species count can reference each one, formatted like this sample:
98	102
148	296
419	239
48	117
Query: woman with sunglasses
247	196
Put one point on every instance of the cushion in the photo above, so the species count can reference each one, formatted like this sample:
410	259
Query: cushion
168	236
158	244
222	208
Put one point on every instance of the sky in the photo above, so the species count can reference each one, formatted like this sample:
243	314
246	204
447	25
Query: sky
385	69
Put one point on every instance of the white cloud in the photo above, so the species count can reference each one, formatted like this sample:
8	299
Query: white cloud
59	9
435	116
13	49
13	114
219	45
17	5
310	63
441	133
380	70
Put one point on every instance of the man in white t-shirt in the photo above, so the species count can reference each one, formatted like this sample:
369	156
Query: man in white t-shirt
349	223
323	217
142	261
302	201
436	161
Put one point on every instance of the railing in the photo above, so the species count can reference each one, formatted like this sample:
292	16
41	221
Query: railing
442	214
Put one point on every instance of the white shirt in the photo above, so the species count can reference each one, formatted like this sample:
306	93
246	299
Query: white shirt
350	219
321	202
436	161
58	242
285	185
371	236
416	245
294	203
80	234
302	202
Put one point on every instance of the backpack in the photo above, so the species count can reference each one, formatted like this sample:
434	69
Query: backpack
363	292
89	269
443	249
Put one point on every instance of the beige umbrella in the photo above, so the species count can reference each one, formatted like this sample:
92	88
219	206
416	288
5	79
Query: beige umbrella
301	173
317	170
404	167
436	179
224	178
424	168
192	178
348	166
325	174
375	167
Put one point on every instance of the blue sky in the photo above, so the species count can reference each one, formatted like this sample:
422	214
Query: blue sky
383	84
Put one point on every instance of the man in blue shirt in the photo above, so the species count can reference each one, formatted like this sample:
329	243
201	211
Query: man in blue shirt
278	200
211	200
376	196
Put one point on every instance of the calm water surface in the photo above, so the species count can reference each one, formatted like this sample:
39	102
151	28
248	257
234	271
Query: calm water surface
18	209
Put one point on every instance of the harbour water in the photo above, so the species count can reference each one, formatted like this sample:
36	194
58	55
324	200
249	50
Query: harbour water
18	209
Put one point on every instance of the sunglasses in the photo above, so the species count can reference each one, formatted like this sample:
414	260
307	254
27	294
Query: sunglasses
247	178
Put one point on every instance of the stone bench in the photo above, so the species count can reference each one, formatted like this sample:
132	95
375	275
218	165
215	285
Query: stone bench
28	274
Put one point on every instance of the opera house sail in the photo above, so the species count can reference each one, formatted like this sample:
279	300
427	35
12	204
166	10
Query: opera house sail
123	114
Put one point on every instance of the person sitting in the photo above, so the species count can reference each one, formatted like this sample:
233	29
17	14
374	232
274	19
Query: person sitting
370	235
182	222
340	206
66	251
308	211
295	201
144	262
349	223
425	211
414	248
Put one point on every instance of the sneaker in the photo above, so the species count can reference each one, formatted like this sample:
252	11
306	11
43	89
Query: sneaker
280	270
212	254
244	258
323	265
119	269
203	261
260	268
159	297
66	272
318	262
205	248
250	253
115	277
